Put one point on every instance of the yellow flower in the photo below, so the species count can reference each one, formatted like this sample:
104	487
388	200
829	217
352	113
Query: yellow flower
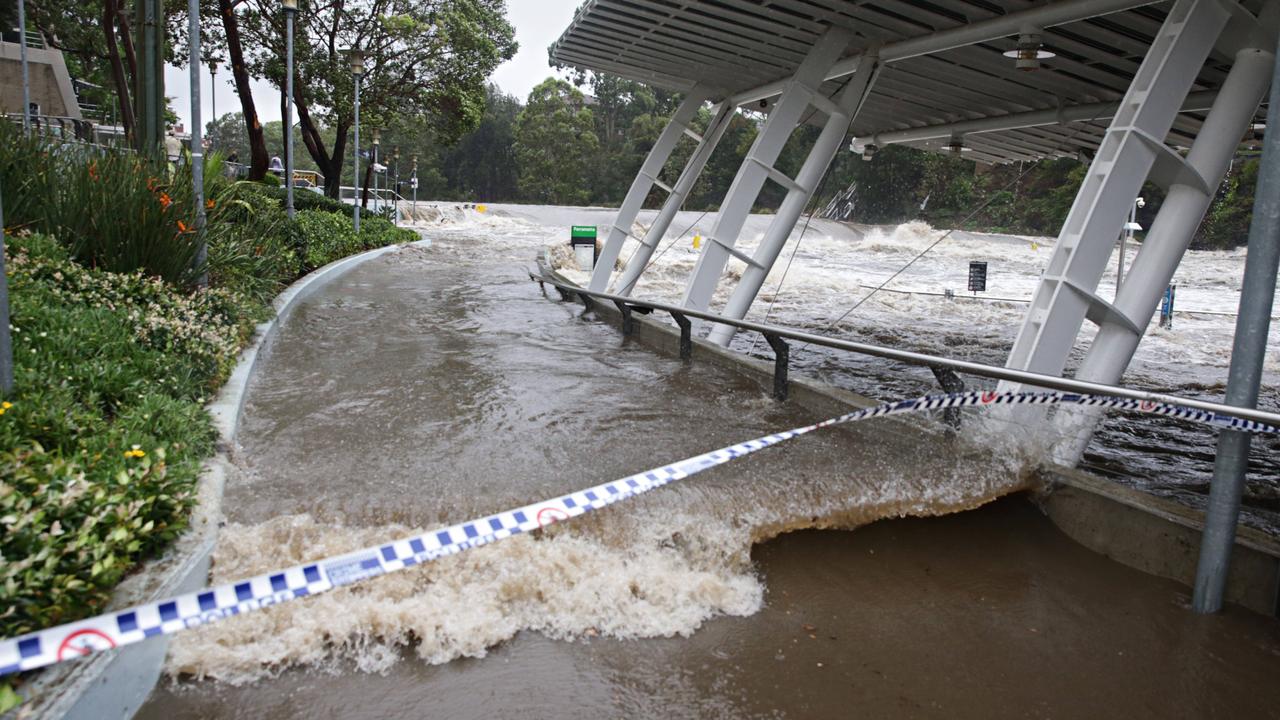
135	452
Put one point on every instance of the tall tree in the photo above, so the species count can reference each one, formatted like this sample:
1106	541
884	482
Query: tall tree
555	141
424	59
482	165
111	19
240	74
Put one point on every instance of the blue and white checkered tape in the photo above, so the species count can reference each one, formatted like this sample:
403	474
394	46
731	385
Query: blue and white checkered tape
77	639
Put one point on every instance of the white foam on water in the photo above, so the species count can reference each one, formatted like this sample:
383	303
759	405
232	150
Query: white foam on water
659	565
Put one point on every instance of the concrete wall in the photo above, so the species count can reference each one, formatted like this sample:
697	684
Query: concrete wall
1158	536
50	82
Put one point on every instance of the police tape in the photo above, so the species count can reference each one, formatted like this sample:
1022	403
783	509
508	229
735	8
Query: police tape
125	627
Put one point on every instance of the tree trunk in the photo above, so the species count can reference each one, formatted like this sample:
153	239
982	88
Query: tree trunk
110	11
364	195
330	165
126	41
257	139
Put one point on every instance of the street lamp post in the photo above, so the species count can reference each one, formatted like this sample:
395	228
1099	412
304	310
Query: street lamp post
290	10
26	78
213	94
356	58
197	150
377	144
395	189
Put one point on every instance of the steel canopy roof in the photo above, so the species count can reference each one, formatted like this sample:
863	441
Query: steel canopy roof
735	46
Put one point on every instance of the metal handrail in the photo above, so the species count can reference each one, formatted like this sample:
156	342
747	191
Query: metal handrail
914	358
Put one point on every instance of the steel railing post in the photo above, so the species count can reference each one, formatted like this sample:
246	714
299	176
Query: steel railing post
1248	354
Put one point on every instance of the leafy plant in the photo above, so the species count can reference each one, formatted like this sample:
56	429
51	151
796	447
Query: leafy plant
113	209
103	439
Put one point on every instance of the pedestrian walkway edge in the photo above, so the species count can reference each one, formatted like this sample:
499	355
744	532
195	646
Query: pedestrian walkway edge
115	685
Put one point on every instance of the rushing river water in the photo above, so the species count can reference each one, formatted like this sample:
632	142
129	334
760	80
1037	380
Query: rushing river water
437	384
823	274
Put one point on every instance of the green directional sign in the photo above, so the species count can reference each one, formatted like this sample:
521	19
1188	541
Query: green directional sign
584	232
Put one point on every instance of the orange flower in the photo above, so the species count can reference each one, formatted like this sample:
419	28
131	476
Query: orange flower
182	227
209	204
165	200
152	184
93	171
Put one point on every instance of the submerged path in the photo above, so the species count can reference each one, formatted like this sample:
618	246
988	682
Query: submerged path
434	385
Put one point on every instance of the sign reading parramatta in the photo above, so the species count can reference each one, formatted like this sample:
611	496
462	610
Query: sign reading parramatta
106	632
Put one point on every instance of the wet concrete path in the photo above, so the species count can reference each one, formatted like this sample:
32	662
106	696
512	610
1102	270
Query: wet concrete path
435	385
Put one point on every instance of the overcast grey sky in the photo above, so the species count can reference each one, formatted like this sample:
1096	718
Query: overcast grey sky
538	23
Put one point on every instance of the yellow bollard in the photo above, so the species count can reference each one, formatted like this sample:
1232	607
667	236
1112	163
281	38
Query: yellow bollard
697	242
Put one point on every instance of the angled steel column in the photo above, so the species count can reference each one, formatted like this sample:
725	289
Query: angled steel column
720	120
1247	356
840	116
757	167
1134	143
1189	195
644	182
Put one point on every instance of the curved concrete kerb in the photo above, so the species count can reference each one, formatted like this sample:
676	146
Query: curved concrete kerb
114	685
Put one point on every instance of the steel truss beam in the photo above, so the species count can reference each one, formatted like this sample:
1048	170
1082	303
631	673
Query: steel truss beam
840	117
636	265
1132	147
758	166
644	182
1189	196
1195	102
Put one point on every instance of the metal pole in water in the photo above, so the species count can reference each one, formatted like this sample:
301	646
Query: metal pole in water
197	151
26	78
1248	351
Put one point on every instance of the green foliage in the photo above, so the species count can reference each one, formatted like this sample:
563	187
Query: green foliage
252	245
102	442
425	59
114	210
1226	224
103	439
555	142
482	165
329	236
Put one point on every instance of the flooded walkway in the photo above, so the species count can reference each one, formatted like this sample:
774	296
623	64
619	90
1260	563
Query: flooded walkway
433	385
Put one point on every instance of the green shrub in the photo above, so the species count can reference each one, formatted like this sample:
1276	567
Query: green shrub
377	231
252	245
102	443
115	210
326	237
104	436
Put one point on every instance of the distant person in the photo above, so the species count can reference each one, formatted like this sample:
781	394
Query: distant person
277	167
172	146
234	157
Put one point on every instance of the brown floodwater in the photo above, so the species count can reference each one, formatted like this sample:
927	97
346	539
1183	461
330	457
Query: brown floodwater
991	613
433	385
